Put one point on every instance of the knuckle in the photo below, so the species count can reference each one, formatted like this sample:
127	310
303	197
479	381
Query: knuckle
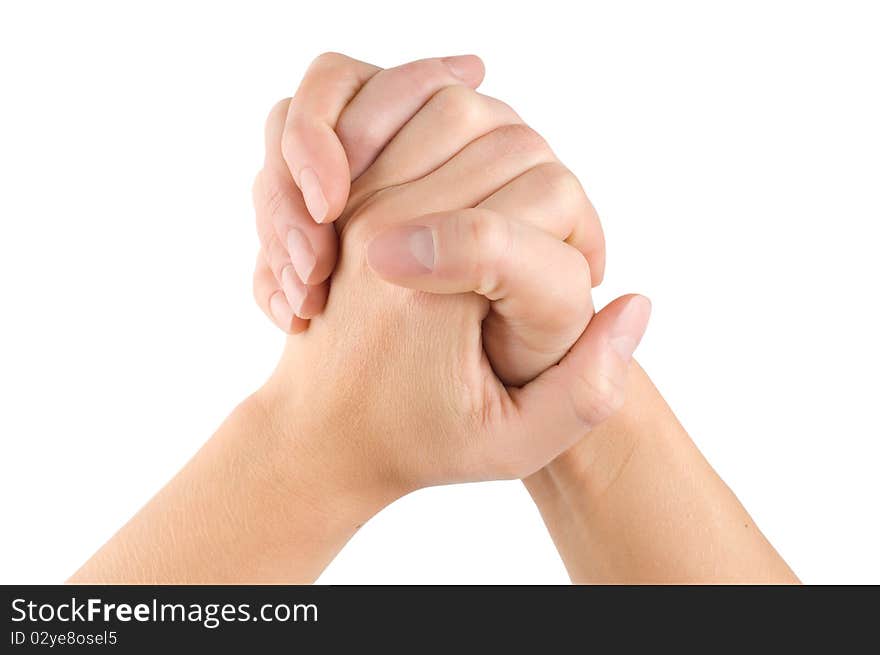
558	180
270	198
491	237
419	77
459	105
329	60
278	112
276	256
369	135
273	199
488	231
571	298
335	69
502	109
598	397
518	138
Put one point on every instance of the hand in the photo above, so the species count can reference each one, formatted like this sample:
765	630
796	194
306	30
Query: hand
343	114
364	126
396	388
392	388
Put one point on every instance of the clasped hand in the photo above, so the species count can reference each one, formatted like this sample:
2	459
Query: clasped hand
459	340
432	263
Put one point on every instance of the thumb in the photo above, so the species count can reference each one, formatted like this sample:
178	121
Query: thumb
539	286
562	404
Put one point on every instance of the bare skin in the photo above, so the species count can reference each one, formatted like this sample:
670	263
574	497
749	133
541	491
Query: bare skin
635	502
393	389
483	358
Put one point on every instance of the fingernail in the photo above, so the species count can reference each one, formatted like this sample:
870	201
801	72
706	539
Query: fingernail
280	310
310	186
294	290
627	331
301	254
403	251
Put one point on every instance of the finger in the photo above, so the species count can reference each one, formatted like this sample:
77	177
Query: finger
282	214
453	117
458	129
539	286
271	299
558	408
364	125
305	301
314	155
550	196
391	97
471	176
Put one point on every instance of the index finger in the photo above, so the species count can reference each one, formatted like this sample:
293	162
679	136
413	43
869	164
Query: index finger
314	155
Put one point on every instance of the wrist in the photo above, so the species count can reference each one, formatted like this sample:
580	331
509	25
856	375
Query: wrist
319	457
256	504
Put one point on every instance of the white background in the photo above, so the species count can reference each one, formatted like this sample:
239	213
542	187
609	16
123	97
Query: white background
731	149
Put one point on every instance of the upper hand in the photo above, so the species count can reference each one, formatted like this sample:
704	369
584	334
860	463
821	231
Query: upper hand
343	115
344	112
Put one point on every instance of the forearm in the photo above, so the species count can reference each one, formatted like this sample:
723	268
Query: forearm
636	502
255	505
